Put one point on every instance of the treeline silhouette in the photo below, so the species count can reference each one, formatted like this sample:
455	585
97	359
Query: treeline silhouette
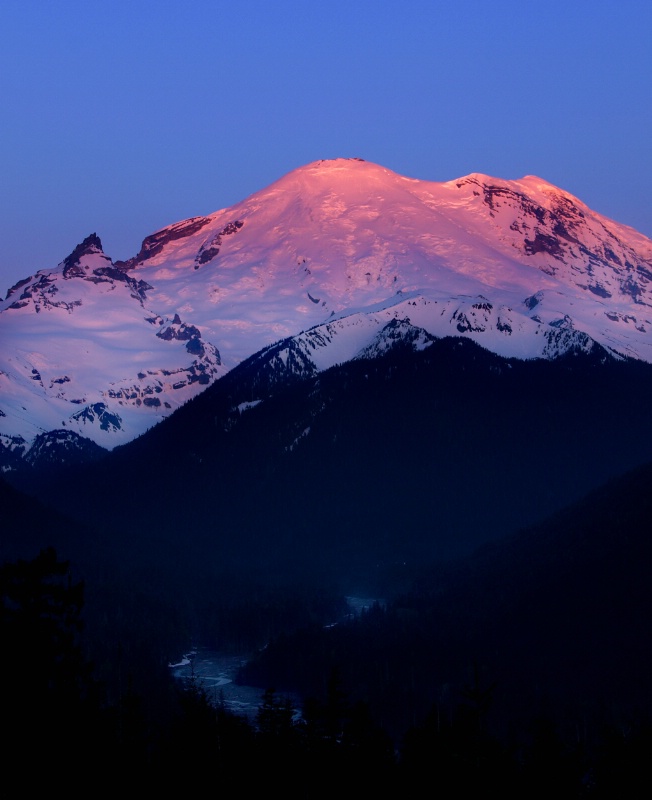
64	729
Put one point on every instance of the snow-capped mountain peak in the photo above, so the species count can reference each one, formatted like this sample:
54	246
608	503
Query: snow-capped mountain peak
335	260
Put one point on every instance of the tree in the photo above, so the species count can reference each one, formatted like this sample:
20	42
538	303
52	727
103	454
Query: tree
275	717
50	702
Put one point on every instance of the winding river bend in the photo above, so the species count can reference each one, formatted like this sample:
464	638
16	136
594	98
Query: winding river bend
216	673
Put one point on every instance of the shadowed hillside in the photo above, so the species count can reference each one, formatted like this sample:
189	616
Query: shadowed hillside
364	472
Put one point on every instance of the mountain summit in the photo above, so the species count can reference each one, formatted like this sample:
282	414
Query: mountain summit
336	260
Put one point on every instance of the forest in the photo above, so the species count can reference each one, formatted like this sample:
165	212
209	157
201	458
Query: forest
66	725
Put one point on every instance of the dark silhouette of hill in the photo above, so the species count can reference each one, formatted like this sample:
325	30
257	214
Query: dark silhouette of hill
364	472
570	600
29	526
551	624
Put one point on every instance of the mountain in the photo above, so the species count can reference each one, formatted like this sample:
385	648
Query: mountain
352	383
337	260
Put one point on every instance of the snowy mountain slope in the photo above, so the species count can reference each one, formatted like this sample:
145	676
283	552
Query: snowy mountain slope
82	351
325	258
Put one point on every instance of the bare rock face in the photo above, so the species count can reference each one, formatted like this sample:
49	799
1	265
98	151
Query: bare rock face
179	330
210	249
90	246
154	244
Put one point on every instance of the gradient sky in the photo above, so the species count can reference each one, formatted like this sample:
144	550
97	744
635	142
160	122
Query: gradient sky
121	118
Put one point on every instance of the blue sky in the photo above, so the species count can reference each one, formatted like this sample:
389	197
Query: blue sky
120	118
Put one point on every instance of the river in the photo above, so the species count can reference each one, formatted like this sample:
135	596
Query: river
216	673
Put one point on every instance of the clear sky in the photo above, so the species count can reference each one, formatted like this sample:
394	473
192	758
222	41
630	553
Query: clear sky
121	118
